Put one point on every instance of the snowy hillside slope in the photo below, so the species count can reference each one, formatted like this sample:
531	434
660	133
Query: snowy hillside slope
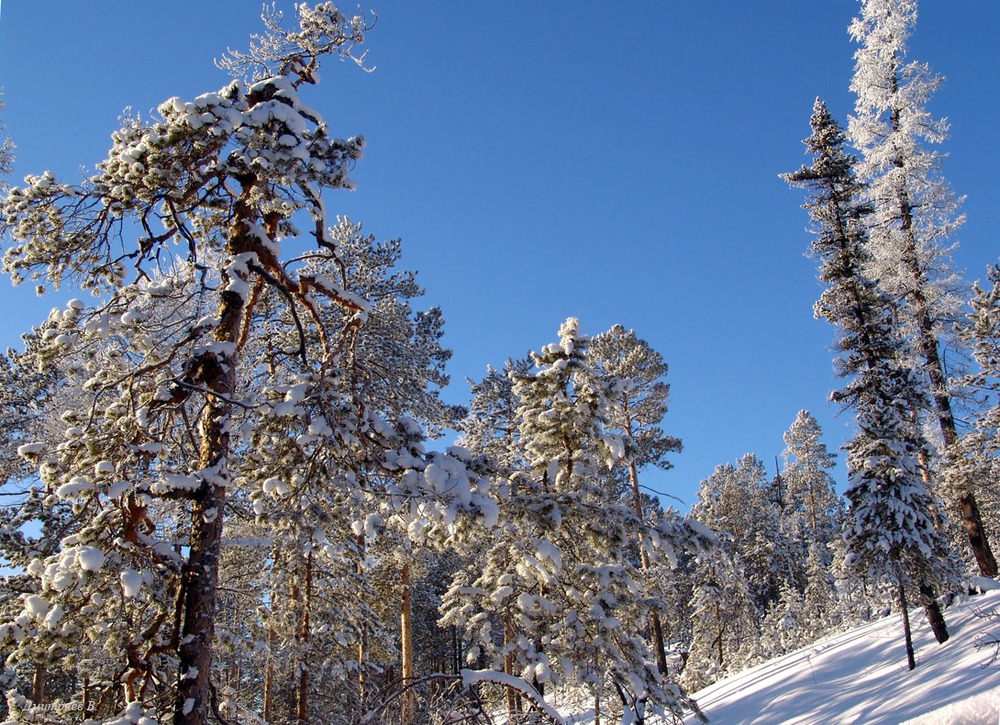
860	676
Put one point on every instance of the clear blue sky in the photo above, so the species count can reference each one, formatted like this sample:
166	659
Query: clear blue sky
547	159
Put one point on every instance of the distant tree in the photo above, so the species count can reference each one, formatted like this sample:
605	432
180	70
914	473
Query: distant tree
914	213
811	507
490	427
783	627
737	500
890	532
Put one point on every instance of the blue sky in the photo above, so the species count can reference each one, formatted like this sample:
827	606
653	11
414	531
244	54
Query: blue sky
541	160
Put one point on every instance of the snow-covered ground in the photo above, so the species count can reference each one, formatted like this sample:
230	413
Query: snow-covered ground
861	677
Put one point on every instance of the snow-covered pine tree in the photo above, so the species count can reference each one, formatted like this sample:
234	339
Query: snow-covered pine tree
821	610
490	427
725	622
890	532
914	213
979	447
812	508
556	599
813	514
205	342
212	184
738	501
633	374
343	513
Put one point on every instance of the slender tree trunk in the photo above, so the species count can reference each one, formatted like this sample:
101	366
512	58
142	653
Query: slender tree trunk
363	642
86	697
720	625
513	698
38	684
303	637
272	642
654	616
406	647
911	662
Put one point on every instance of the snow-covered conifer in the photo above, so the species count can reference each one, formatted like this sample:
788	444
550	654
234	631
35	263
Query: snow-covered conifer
889	531
737	501
556	598
812	507
724	619
633	374
218	388
914	213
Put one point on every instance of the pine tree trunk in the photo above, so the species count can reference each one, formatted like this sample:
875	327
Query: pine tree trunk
38	685
911	662
934	615
272	642
194	695
218	375
513	699
363	643
406	647
658	643
927	343
972	522
303	637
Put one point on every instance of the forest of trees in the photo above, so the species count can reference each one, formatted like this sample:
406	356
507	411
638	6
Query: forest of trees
223	499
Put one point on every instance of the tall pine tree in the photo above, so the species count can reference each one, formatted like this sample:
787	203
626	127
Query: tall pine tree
914	213
890	531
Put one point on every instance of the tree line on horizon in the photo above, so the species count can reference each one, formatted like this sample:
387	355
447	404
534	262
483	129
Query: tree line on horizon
224	500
